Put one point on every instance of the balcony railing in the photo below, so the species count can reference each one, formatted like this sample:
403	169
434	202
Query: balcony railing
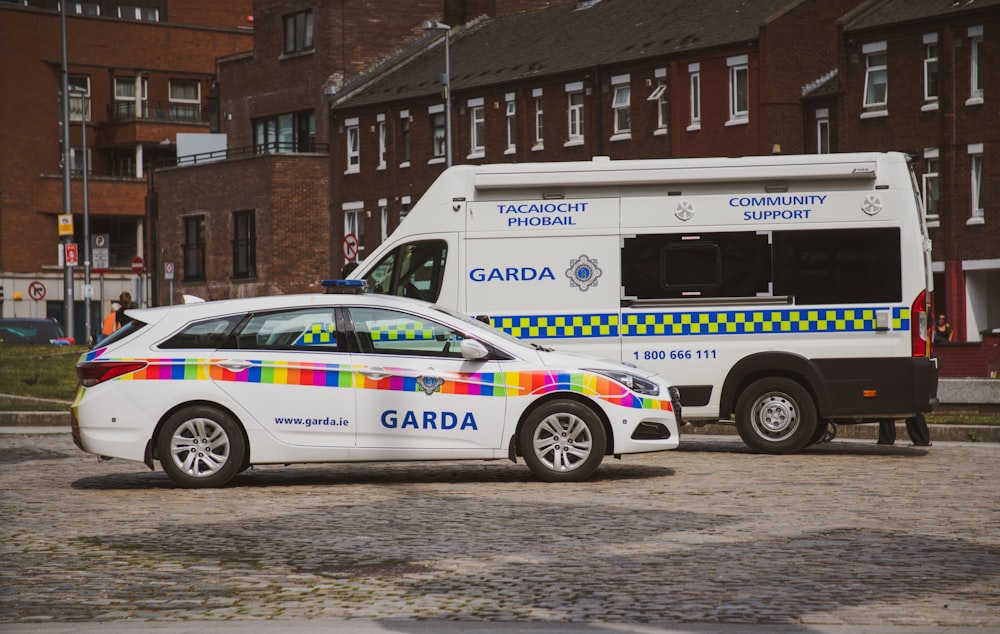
157	111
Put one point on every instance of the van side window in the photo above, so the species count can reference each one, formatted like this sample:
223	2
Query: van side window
411	270
660	266
830	266
838	266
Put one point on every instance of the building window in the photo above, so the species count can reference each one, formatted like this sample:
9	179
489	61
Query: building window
381	142
79	97
353	145
149	14
931	192
876	77
194	248
823	131
438	134
76	161
739	89
694	76
477	122
185	100
404	137
244	244
354	223
125	101
511	127
383	209
298	32
976	163
575	115
539	122
659	95
404	207
976	60
84	8
621	105
291	132
931	71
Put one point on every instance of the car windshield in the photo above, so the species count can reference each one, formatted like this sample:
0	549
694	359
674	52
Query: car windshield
29	331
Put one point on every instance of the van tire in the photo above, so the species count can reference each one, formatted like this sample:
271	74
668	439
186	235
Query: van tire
563	441
776	415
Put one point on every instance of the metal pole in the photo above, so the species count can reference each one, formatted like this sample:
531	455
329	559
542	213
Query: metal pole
68	321
447	92
87	290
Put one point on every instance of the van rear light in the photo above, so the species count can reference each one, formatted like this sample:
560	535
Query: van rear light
919	346
91	373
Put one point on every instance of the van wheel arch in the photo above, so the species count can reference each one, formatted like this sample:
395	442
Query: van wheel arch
767	365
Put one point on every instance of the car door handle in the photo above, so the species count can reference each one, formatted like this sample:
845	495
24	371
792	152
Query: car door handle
375	374
234	366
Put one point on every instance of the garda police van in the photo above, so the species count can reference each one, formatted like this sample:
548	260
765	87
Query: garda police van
782	293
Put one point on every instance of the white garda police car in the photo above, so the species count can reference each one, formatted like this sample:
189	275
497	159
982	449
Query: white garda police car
210	389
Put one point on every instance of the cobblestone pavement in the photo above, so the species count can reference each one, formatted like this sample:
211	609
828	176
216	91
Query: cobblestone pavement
844	534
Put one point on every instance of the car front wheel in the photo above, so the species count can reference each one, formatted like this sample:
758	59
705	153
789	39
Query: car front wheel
201	447
563	441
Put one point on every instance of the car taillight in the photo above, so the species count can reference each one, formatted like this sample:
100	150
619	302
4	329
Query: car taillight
919	346
91	373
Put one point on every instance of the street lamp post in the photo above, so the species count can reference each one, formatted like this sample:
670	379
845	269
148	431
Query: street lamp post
434	25
68	322
87	290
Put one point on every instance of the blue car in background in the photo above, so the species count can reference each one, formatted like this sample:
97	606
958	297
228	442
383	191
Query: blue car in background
28	331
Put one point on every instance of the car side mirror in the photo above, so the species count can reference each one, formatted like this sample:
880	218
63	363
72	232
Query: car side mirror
473	350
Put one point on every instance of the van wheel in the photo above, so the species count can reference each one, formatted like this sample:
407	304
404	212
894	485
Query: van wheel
776	416
563	441
201	447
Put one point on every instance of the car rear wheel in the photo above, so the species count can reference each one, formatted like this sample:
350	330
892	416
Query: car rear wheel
776	416
201	447
563	441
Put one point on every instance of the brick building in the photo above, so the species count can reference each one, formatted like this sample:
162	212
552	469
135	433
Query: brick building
923	76
259	221
143	72
621	78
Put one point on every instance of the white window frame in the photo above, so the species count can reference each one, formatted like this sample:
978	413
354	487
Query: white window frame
76	160
659	95
930	181
78	8
574	114
383	208
694	90
621	107
931	71
477	128
79	106
977	216
382	145
439	142
739	89
822	131
539	120
354	222
352	134
876	67
511	125
975	66
404	137
139	112
147	14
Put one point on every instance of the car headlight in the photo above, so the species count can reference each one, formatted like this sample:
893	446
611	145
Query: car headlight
635	383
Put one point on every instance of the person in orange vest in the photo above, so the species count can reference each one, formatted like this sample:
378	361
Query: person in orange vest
110	323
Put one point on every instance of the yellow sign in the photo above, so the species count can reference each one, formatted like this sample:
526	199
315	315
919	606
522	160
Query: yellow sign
65	224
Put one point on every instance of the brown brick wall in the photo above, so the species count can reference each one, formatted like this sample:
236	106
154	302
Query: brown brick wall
290	197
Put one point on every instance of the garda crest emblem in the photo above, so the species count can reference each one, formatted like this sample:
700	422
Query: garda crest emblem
430	384
583	272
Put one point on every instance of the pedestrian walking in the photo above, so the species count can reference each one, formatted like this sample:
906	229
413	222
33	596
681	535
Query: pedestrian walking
125	299
916	428
110	322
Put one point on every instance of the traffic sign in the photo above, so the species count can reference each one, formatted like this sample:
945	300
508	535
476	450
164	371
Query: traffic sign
72	254
168	270
350	246
137	265
65	225
36	291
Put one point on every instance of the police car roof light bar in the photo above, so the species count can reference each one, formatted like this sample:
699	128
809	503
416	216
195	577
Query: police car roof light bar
345	287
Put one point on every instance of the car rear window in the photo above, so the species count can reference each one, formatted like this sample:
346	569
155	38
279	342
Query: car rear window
127	330
211	333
